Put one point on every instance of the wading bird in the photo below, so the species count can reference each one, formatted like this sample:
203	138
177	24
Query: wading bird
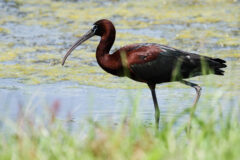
150	63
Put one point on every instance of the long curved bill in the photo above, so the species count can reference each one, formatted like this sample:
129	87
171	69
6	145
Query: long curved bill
85	37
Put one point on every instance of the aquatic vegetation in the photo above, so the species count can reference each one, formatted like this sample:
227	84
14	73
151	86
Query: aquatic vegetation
203	23
35	35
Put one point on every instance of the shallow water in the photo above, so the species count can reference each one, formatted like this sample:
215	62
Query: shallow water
34	37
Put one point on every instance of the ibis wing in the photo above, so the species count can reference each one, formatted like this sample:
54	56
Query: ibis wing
172	64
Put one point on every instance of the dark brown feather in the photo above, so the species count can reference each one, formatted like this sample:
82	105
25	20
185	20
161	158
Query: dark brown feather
164	64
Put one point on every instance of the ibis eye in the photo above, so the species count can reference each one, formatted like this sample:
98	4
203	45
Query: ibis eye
94	28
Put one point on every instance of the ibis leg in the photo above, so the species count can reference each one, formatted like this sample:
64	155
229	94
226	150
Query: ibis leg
157	111
198	91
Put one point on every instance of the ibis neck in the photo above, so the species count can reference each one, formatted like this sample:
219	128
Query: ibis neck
106	43
110	63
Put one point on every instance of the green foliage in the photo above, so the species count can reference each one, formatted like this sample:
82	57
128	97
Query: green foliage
213	136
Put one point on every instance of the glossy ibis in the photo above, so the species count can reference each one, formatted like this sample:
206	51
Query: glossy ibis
150	63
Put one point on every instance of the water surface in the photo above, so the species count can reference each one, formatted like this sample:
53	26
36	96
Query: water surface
34	37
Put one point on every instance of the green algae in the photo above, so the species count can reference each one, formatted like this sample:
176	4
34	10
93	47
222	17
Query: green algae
4	30
202	23
229	41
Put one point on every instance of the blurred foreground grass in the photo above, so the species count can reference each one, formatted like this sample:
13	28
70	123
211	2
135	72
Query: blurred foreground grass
214	135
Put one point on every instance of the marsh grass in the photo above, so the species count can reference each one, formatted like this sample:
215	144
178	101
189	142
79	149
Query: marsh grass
215	131
214	135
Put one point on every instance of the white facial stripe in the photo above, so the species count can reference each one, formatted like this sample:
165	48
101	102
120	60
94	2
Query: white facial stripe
94	28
